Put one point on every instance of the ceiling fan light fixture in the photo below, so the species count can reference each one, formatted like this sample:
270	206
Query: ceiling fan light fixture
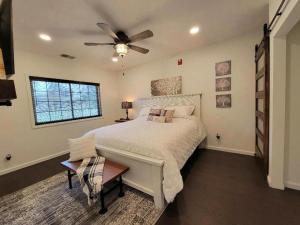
121	49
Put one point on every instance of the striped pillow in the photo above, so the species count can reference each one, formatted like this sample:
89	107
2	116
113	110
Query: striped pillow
152	113
168	114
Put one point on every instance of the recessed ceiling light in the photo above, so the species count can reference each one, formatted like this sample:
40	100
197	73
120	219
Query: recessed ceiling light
45	37
194	30
115	59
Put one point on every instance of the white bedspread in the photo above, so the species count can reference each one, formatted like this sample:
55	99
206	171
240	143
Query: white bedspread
172	142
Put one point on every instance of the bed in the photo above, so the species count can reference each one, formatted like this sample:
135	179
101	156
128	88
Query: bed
155	152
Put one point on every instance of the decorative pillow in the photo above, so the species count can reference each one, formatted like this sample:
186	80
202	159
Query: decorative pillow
159	119
145	111
168	114
182	111
153	112
83	147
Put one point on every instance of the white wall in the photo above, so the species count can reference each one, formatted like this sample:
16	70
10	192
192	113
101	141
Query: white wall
27	144
292	151
236	125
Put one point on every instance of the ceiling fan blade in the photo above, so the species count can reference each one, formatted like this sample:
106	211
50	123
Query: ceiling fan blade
141	36
105	27
139	49
95	44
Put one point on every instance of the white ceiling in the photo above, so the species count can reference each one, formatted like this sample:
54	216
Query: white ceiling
72	22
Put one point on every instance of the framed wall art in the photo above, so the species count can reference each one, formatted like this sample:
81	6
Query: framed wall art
223	84
167	86
223	101
223	68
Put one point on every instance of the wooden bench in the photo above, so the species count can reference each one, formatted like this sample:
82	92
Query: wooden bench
111	172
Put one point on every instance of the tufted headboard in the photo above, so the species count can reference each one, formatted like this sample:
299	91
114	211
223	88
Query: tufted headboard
169	100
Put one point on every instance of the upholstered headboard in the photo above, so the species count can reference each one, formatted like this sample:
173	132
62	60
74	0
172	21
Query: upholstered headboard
169	100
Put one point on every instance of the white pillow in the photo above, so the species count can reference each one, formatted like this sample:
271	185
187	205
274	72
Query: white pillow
182	111
146	110
84	147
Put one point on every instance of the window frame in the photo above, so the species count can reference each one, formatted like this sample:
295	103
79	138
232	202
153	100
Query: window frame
57	80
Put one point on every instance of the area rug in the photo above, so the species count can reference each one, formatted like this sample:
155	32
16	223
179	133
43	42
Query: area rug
52	202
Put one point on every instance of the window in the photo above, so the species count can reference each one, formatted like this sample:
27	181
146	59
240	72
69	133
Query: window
56	100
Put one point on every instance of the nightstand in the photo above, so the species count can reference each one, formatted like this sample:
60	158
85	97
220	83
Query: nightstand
121	120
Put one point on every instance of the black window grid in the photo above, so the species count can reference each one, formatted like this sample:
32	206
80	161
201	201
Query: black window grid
96	100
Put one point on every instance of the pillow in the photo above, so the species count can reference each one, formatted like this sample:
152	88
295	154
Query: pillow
159	119
168	114
182	111
83	147
145	111
153	112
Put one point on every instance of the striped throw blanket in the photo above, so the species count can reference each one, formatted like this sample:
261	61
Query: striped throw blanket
90	175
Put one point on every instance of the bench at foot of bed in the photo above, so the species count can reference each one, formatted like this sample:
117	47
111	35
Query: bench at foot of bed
111	172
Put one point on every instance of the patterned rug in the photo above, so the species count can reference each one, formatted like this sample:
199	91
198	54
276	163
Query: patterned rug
52	202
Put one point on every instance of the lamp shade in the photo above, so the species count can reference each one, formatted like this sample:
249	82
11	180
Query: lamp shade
126	105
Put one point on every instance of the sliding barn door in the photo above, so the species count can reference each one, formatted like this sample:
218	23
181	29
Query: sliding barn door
262	61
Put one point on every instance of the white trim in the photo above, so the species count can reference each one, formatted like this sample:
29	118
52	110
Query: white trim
231	150
282	27
269	181
278	186
64	122
288	19
138	186
292	185
22	166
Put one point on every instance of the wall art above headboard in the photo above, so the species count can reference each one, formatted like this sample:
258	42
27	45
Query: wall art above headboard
166	86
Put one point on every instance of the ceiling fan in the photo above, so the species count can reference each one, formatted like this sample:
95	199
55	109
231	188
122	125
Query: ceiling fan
122	43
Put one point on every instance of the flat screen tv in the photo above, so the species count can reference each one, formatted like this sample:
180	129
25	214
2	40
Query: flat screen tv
6	36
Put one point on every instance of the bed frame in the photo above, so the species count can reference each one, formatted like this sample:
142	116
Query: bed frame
146	173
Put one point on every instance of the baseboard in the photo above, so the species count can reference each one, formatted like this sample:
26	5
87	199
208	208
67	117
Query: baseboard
138	186
21	166
231	150
269	181
292	185
279	186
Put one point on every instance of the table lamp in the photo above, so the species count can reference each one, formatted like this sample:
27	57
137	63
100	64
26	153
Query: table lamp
126	105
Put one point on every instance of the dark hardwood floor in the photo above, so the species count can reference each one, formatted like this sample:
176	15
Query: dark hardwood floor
228	189
22	178
219	189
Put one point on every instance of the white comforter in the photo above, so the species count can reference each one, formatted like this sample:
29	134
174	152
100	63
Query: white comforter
172	142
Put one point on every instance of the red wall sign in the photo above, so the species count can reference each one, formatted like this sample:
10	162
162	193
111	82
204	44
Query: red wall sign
179	62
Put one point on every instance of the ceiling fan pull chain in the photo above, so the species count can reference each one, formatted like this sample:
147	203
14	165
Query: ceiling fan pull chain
123	67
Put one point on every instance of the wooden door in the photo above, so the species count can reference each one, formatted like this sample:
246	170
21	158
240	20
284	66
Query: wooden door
262	100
